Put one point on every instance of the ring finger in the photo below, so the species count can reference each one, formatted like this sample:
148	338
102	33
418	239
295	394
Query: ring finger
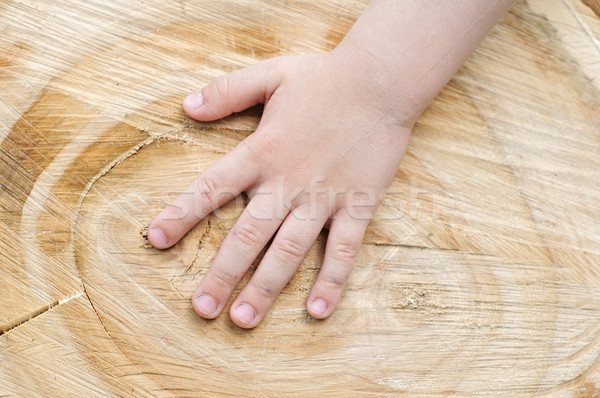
289	248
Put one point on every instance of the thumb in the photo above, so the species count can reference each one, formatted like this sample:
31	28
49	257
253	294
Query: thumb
233	92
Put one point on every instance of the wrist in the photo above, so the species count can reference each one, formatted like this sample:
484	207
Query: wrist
377	83
405	52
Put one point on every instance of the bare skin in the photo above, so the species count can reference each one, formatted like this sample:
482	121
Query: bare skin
333	133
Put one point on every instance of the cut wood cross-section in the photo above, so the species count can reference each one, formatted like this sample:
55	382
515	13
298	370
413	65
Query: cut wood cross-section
479	275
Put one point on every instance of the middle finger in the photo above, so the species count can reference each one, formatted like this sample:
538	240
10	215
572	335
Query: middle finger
251	232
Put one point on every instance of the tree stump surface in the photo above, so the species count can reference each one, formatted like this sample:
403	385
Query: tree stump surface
479	275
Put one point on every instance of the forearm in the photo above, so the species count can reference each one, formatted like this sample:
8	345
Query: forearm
406	51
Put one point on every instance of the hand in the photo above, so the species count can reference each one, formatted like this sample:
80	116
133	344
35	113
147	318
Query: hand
323	154
334	129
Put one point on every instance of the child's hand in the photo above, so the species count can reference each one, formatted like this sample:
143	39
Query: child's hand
333	132
324	152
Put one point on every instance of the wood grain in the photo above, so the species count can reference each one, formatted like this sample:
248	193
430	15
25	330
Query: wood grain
594	5
478	276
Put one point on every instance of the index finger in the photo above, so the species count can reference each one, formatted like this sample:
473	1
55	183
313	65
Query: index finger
218	184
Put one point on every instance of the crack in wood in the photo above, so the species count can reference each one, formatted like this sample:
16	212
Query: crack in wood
204	240
417	247
131	363
34	314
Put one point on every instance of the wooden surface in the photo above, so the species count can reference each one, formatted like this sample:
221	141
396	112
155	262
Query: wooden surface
479	276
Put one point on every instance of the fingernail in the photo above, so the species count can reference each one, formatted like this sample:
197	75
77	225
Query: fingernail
193	101
206	304
318	306
245	313
157	238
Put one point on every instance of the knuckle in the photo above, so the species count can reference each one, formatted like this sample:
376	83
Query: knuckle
207	188
263	291
174	213
345	251
222	84
224	279
247	234
288	250
268	149
331	282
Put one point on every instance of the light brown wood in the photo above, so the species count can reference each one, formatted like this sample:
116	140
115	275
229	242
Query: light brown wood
478	276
